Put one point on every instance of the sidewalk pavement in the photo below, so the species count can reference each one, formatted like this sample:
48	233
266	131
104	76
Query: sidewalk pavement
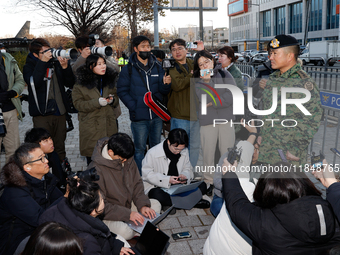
196	221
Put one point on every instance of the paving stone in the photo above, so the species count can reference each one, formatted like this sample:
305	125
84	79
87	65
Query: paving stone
202	232
169	223
207	219
195	211
178	213
179	248
189	221
196	246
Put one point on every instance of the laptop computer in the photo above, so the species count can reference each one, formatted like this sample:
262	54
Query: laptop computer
180	188
155	221
152	241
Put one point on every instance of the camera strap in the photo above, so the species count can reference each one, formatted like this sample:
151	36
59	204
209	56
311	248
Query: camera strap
48	78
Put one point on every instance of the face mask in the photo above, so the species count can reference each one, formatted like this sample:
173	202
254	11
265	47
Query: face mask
144	54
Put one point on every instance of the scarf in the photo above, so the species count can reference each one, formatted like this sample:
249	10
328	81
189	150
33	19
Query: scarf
173	171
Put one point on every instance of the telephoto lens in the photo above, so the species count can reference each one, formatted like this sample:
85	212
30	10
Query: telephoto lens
107	50
69	53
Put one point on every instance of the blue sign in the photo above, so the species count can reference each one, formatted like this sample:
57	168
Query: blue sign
330	100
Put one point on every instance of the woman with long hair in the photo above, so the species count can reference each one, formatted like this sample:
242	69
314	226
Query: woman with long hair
95	98
218	105
79	212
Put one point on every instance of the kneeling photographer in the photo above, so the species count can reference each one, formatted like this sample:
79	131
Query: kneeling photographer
79	211
47	74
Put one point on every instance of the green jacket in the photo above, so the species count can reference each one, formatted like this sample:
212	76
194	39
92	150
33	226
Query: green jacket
293	139
236	73
181	95
15	80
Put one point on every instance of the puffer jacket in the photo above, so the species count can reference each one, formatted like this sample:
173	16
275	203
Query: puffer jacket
224	96
95	121
131	88
95	235
24	199
306	225
120	183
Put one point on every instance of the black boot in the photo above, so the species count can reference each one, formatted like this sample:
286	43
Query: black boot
203	204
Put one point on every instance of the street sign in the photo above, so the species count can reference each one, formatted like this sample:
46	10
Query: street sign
193	5
330	100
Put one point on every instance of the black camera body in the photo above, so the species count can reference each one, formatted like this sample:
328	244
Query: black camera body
89	175
167	64
106	50
92	39
234	154
316	161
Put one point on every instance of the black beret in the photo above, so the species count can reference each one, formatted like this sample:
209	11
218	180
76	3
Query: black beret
281	41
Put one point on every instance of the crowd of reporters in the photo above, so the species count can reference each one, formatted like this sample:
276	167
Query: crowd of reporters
92	213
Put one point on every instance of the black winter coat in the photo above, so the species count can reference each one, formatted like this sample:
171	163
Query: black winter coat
306	225
96	236
24	199
37	68
333	197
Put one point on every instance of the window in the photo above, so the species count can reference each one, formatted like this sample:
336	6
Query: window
314	39
332	17
315	19
332	38
295	18
266	23
280	20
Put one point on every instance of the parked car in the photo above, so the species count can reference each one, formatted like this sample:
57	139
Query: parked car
240	57
214	54
259	58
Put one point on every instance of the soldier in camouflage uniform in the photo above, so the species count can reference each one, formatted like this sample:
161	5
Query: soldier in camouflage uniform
293	141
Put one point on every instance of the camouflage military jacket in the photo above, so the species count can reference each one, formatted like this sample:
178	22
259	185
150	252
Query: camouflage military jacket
293	139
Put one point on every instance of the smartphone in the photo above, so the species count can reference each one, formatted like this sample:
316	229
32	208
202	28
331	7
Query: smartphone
182	179
109	97
207	71
191	45
181	235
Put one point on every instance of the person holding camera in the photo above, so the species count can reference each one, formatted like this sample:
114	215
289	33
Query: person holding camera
11	85
95	97
42	137
79	211
47	78
29	189
207	73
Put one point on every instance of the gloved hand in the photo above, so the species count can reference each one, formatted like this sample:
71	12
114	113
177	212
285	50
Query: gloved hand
7	95
112	99
102	101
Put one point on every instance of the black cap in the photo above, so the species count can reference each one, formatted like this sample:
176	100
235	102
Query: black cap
281	41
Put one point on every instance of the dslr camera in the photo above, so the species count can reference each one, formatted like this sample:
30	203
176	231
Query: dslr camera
106	50
234	154
89	175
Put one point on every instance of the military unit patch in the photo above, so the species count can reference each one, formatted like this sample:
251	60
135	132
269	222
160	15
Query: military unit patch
275	43
309	85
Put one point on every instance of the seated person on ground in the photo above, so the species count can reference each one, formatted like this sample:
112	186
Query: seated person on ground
167	164
121	184
29	190
79	211
289	217
42	137
53	238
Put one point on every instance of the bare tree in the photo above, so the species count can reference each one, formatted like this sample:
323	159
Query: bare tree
79	16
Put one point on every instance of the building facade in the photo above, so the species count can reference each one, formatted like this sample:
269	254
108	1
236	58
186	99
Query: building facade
253	21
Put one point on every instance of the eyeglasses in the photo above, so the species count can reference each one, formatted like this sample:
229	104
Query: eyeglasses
204	63
177	49
42	159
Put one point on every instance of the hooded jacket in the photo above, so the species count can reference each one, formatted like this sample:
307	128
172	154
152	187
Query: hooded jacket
95	121
217	110
37	68
306	225
24	199
95	235
131	89
120	182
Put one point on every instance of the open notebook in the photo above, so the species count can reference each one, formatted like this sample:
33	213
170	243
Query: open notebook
155	221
